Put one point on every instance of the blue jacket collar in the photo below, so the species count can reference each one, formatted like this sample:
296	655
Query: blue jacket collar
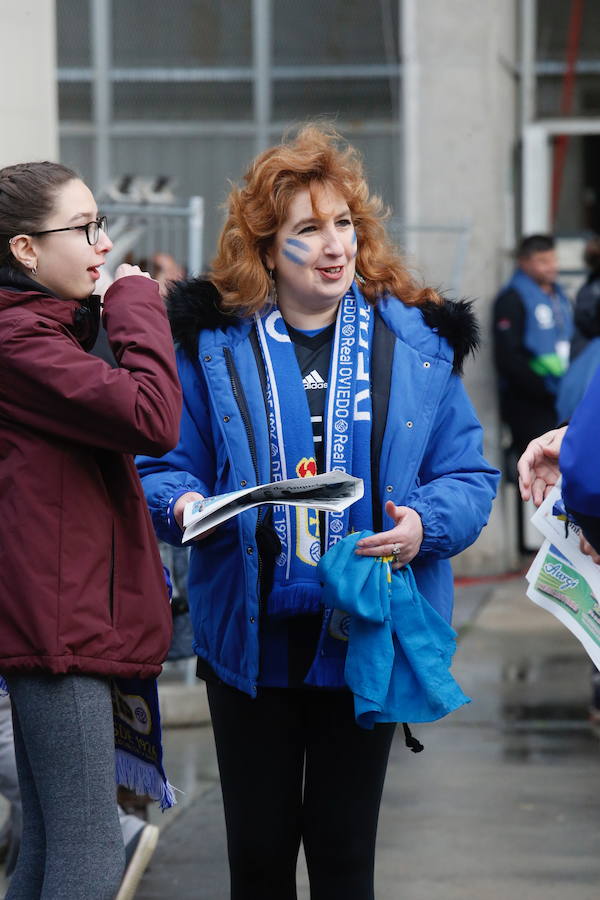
447	330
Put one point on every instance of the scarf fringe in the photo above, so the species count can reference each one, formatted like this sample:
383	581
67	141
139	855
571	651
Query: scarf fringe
143	778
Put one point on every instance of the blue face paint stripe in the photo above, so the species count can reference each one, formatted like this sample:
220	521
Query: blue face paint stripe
293	257
296	243
353	237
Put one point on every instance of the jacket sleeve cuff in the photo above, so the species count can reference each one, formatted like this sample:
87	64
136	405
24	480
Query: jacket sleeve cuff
170	522
430	542
162	502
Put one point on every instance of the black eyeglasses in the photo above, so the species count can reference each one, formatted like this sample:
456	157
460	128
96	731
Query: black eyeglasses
92	230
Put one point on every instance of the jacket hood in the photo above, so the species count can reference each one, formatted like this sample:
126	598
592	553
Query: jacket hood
455	321
81	317
194	305
16	287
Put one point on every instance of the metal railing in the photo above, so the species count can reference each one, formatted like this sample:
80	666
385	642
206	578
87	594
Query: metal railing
143	229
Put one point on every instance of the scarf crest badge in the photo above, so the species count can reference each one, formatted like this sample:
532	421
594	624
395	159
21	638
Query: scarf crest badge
308	532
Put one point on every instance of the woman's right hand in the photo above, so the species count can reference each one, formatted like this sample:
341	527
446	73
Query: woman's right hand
125	269
179	507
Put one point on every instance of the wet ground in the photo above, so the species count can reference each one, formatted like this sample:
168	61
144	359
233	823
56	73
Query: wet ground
503	803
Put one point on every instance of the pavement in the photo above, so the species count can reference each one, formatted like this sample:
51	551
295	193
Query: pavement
502	803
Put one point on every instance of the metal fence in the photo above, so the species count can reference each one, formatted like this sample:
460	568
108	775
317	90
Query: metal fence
192	90
142	230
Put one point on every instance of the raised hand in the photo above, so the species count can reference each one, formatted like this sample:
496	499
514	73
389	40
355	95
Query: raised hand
538	466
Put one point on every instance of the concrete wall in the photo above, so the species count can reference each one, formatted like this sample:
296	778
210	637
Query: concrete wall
462	133
28	100
467	97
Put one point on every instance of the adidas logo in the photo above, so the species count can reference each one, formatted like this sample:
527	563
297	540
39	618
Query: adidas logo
314	382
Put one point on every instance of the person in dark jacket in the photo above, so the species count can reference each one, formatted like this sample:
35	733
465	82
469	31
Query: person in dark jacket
579	468
532	327
585	346
82	596
581	487
277	361
587	301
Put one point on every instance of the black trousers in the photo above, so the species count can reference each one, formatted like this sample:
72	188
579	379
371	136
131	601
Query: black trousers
295	766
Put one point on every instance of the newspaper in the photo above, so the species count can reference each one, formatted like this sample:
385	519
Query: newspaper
562	579
552	520
330	492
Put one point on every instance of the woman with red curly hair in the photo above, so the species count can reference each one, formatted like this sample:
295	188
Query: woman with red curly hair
310	348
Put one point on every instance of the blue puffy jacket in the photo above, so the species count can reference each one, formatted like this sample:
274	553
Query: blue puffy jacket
579	463
430	460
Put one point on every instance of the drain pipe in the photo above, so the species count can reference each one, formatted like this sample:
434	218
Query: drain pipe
561	143
410	123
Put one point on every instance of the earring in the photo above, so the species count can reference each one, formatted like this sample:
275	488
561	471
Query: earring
273	289
33	271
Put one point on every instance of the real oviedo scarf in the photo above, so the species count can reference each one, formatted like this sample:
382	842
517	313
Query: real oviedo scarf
347	431
138	746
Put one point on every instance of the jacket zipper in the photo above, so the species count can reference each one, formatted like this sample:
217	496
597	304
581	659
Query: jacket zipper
242	403
240	399
111	586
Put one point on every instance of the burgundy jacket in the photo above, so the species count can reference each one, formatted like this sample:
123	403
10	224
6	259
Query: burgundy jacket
81	582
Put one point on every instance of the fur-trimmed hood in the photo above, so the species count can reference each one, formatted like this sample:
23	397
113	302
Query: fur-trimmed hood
455	321
194	305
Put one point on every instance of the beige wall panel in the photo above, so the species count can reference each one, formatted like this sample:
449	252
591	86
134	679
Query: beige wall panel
28	100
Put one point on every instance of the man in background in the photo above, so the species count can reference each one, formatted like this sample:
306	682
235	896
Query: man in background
532	328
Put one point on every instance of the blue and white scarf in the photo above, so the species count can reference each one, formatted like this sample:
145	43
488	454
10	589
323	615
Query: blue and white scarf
347	430
138	739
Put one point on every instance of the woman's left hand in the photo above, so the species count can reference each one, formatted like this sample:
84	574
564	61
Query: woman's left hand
402	542
587	548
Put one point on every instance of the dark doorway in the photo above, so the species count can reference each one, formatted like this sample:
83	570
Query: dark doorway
591	182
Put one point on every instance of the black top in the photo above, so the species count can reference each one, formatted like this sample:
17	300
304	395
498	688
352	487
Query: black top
313	353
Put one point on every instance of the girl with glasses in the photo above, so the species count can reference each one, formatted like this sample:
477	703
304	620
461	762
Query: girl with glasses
82	592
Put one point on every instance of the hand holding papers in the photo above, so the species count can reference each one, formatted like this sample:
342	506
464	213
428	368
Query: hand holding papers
562	579
330	492
552	520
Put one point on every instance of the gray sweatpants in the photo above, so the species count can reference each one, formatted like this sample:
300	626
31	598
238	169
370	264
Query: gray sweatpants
64	742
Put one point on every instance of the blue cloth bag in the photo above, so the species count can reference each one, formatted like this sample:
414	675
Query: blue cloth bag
399	648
